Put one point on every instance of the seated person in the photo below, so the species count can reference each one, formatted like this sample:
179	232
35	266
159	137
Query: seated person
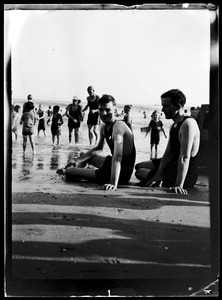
112	169
178	168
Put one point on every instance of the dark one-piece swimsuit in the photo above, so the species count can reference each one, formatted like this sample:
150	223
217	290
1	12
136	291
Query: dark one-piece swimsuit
170	172
127	165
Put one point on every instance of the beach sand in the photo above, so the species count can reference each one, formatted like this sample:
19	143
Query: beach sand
73	238
74	230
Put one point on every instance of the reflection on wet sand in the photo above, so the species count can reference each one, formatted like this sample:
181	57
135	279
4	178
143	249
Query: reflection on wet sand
55	157
40	164
26	167
48	158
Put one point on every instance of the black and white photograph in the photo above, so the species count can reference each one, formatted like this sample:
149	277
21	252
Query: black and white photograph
111	139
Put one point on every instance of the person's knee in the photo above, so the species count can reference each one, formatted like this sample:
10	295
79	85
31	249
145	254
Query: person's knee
141	174
137	166
138	174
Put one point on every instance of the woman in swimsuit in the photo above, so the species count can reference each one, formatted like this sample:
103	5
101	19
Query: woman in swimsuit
74	114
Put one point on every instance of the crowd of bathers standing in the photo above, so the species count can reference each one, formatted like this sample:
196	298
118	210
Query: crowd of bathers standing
176	170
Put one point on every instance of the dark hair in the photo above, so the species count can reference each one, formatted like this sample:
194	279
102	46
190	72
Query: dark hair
127	106
29	106
29	96
56	108
90	87
16	108
106	99
176	96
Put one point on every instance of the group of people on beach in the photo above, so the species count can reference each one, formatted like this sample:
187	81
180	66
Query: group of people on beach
176	170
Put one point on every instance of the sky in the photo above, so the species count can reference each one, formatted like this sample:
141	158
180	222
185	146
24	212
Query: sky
133	55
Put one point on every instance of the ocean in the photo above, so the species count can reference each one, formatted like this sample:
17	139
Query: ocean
49	158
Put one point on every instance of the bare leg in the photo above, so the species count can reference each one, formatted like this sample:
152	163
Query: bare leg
95	130
24	143
145	165
141	174
96	161
70	135
90	134
151	150
31	139
81	173
53	139
156	150
143	168
76	130
58	139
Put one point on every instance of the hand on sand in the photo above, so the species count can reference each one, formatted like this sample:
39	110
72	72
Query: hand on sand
109	187
178	190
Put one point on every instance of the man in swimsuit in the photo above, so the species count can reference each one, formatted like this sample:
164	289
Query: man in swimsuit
178	168
29	99
112	169
93	116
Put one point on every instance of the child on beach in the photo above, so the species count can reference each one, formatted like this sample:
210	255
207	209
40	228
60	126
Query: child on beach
15	120
113	169
28	120
41	125
155	126
127	117
57	121
75	117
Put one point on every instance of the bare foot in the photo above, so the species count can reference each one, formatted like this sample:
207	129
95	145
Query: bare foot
61	171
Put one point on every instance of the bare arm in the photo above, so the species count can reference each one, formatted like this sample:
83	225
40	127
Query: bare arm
67	112
164	132
117	158
85	108
21	120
